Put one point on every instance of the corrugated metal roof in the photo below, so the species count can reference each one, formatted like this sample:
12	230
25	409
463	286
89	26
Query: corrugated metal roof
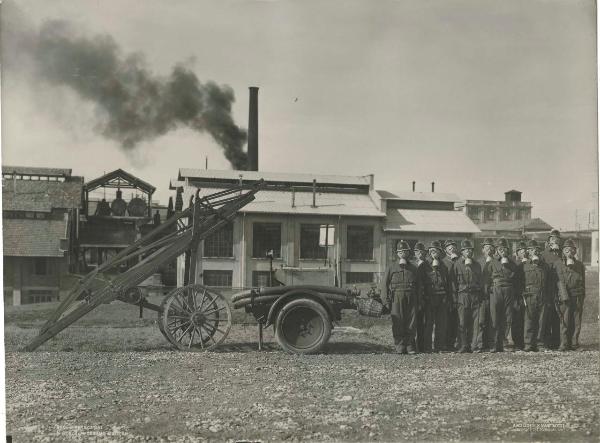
419	196
41	195
33	238
32	170
423	220
328	203
212	174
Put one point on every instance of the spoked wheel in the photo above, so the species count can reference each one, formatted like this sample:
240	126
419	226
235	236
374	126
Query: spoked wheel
195	318
303	326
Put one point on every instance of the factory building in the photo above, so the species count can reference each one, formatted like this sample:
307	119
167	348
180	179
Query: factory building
492	211
325	224
40	209
425	217
339	225
116	212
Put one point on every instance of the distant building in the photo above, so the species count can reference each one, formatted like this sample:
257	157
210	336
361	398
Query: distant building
425	217
509	218
115	214
297	215
310	222
492	211
40	209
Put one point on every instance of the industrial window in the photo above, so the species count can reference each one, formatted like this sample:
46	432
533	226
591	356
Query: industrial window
505	215
519	214
474	213
260	278
39	296
217	278
360	242
266	237
40	266
220	244
490	214
310	246
359	277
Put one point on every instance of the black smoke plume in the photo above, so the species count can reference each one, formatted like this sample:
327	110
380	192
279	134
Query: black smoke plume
137	104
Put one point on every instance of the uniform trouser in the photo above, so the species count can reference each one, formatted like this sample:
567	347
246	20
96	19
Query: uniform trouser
468	320
488	333
435	323
578	315
549	333
517	324
501	301
567	311
451	326
403	319
532	320
512	315
420	330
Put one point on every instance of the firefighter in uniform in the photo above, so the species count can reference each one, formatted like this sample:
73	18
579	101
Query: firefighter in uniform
535	274
504	274
549	330
401	289
437	293
451	257
518	313
467	288
488	251
571	294
420	254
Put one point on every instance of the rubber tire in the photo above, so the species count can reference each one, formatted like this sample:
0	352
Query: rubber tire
313	305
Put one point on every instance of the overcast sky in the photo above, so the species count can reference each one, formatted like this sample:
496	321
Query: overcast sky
478	96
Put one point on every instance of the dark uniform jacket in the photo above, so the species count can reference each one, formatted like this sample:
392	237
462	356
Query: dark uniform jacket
486	276
571	279
467	279
552	259
436	280
534	279
504	275
401	281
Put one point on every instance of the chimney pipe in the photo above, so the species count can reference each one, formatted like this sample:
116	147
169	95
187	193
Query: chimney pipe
414	186
314	192
371	181
432	186
253	130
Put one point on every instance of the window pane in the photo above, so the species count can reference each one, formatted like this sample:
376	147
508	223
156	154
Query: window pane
40	266
266	237
260	278
360	242
309	242
217	278
220	244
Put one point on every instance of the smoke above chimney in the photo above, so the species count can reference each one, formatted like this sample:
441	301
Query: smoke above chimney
135	105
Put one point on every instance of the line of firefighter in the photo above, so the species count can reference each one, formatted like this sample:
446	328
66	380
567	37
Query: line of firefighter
499	301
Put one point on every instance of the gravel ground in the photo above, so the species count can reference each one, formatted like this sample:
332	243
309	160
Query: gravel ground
357	391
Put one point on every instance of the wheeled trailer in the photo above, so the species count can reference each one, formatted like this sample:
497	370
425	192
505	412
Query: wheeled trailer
195	317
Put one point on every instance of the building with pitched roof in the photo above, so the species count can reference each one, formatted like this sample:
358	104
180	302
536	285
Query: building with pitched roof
309	221
40	226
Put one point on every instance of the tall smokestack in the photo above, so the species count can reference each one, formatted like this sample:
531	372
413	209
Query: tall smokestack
253	130
432	186
414	183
